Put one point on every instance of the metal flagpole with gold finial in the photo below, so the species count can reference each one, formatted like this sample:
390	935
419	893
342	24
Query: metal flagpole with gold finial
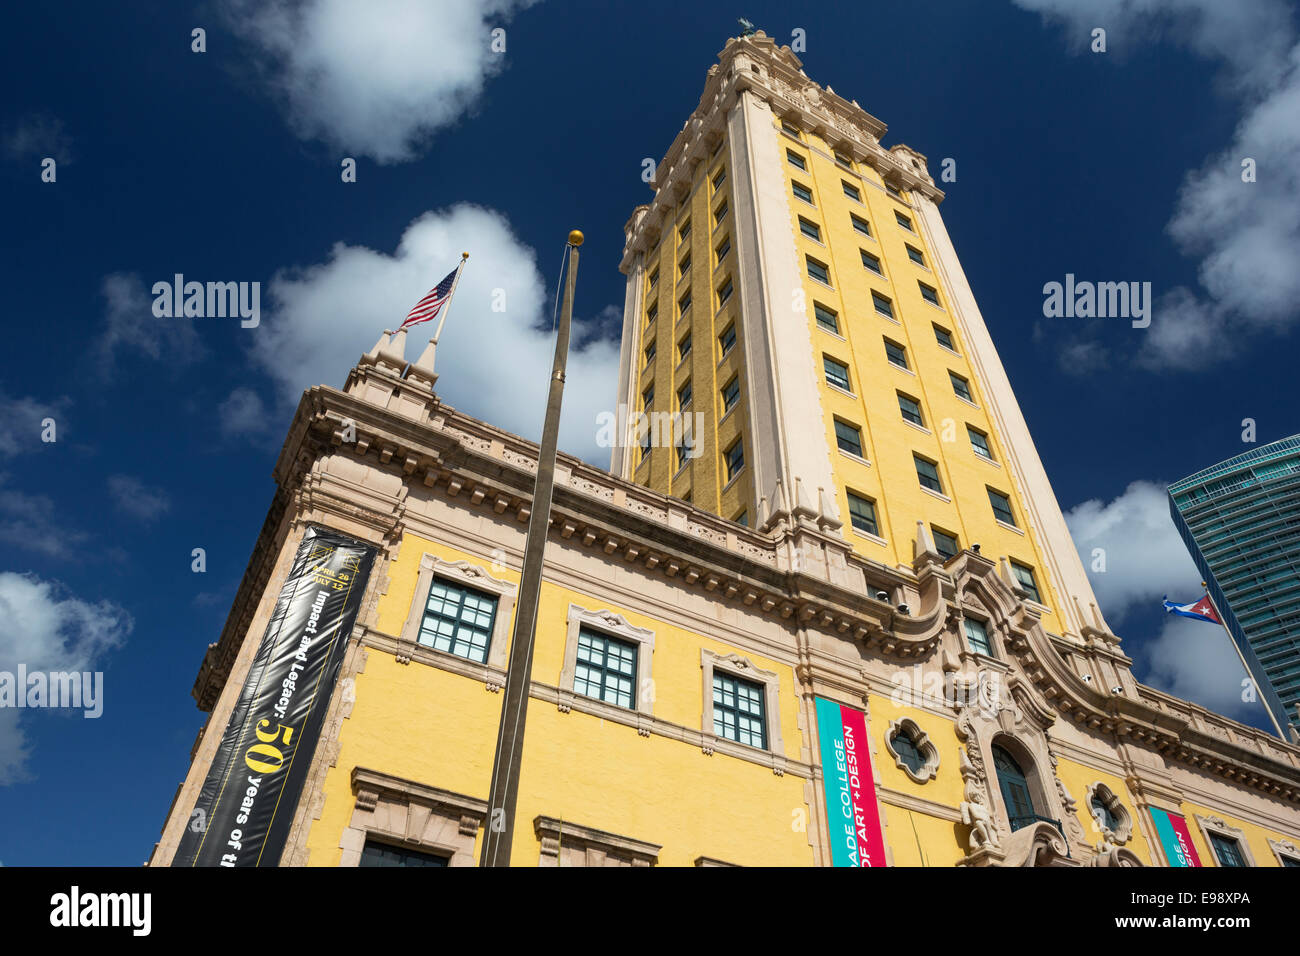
504	791
451	296
1242	657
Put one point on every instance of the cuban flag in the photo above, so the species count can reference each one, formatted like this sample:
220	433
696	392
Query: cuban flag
1201	610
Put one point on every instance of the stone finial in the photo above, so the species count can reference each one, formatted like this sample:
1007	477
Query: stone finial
830	512
393	354
422	370
803	504
924	543
1004	571
382	344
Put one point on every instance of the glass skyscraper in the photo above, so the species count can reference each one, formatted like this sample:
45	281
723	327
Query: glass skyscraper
1241	522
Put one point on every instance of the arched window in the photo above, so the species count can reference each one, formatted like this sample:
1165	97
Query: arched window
907	752
1015	789
1103	814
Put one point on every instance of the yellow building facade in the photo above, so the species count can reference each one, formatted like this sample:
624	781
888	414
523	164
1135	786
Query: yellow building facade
703	612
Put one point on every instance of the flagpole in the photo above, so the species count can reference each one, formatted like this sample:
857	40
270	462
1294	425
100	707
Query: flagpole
442	319
1242	657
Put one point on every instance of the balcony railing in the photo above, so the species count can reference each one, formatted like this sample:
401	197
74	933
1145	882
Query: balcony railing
1029	819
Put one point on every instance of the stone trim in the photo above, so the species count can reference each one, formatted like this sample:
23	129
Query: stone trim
908	727
1284	848
1123	819
710	861
468	575
1219	827
570	844
615	625
410	814
742	667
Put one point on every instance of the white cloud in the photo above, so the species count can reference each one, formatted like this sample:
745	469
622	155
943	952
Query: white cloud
137	500
20	422
375	78
243	413
37	136
33	522
494	365
1196	661
1145	558
131	326
48	629
1246	235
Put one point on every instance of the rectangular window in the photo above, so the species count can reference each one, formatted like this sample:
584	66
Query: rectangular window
892	190
653	313
928	474
684	304
862	513
851	191
727	339
848	438
944	543
684	267
649	354
826	318
843	161
648	398
872	262
960	387
723	248
979	442
860	224
977	637
719	212
929	293
790	130
914	254
810	229
796	160
882	304
896	354
724	293
654	278
458	620
719	177
910	408
1226	850
944	338
606	668
684	396
684	347
1001	507
1027	581
730	394
382	854
802	192
681	456
742	519
684	232
819	270
738	710
837	373
735	458
904	221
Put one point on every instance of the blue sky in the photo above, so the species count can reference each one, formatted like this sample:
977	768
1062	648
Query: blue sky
225	166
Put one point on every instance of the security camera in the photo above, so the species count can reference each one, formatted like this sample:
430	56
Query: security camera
1117	689
904	609
1087	678
975	548
882	595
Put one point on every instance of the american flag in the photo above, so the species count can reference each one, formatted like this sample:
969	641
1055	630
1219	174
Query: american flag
429	307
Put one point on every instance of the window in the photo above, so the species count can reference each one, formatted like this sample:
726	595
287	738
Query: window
654	278
789	129
738	710
837	373
684	267
944	338
652	313
884	307
458	620
904	221
914	254
892	190
871	262
645	446
1014	785
606	669
980	442
720	212
382	854
1226	850
860	224
851	191
927	473
929	294
684	232
862	513
648	398
728	338
742	519
802	192
810	229
684	347
906	752
826	318
719	177
819	271
977	637
724	293
730	394
735	458
684	396
723	248
649	354
843	160
1289	860
1001	507
796	160
960	387
848	438
1026	578
944	543
684	304
911	409
896	354
1105	816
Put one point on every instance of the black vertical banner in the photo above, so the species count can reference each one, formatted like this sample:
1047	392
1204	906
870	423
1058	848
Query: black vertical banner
247	803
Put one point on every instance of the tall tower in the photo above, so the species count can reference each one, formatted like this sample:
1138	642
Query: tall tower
1240	520
793	291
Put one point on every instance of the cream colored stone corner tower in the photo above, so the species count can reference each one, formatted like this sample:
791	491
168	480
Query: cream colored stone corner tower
793	292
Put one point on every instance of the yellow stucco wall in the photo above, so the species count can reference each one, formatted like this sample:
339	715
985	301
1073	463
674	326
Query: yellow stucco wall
1077	779
1256	837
